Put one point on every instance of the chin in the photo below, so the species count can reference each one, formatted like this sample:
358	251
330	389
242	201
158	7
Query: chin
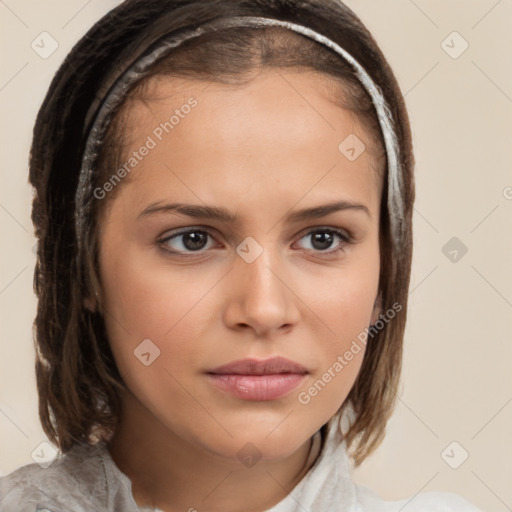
255	442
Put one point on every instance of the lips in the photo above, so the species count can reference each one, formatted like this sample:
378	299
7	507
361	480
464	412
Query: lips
258	380
272	366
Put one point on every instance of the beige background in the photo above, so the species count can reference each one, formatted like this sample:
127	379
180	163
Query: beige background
457	379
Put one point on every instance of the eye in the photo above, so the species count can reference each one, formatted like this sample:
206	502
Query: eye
195	240
322	239
183	242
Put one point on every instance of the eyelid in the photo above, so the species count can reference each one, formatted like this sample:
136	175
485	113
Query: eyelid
345	236
344	233
162	240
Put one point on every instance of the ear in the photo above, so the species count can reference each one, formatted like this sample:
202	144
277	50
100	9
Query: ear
377	309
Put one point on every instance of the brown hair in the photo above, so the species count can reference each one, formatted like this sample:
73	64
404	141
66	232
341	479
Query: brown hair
78	381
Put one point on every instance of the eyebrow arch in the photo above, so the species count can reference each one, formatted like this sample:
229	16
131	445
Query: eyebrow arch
221	214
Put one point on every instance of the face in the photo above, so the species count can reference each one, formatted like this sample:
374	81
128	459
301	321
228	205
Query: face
277	274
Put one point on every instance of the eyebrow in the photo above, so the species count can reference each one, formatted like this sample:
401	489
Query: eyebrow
223	215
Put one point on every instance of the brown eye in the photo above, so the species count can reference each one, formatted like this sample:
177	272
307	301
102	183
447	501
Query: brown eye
321	240
192	240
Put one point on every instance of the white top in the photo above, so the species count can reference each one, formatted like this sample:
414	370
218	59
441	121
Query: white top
86	479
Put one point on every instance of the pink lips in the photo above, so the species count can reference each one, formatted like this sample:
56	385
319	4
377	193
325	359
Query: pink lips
252	379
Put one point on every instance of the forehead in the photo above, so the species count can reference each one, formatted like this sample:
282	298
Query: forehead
292	93
280	126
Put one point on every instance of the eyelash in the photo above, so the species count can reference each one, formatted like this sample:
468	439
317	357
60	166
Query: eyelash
346	239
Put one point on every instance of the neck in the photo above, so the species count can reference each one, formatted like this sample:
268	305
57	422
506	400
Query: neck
173	474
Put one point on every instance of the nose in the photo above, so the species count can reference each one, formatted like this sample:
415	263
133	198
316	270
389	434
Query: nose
260	295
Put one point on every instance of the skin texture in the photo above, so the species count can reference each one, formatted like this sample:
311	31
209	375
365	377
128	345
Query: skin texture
261	150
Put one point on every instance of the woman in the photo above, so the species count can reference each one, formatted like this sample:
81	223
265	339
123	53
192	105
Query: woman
223	203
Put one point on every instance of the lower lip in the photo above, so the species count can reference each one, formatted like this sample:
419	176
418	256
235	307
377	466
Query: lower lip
257	387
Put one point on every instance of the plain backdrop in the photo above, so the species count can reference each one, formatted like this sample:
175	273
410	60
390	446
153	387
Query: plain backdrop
453	423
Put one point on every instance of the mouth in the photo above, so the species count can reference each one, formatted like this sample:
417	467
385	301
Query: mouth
258	380
271	366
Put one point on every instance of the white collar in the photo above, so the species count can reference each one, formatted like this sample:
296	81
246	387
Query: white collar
328	481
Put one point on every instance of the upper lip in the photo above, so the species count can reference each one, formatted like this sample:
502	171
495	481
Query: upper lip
269	366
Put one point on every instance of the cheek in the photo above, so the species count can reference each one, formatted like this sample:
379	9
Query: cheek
343	298
144	301
342	307
339	353
152	318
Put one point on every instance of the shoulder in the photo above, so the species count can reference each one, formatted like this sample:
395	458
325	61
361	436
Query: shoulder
74	481
422	502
